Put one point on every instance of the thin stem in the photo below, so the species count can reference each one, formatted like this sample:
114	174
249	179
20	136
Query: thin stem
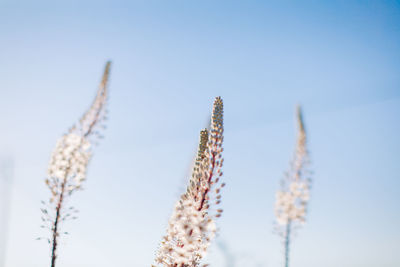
287	242
55	226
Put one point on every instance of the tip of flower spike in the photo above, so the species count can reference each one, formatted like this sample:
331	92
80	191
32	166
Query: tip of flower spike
299	115
218	111
106	73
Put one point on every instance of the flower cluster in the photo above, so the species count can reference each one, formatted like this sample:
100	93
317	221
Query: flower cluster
291	205
189	233
192	224
68	164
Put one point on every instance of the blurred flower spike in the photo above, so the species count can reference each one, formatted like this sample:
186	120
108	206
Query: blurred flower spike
292	199
68	164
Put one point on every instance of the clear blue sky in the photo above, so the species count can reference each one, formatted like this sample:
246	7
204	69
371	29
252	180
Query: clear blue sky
339	59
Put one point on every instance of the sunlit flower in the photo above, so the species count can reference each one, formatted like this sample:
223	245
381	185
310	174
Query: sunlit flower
192	223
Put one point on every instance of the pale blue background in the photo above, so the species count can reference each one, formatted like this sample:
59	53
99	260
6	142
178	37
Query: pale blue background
339	59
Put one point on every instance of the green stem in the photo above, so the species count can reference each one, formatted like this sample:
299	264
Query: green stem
287	243
55	226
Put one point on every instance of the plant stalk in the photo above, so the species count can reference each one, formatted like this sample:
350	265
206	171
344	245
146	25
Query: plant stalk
55	226
287	242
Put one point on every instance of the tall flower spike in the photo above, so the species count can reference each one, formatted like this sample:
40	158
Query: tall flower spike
192	227
69	162
292	199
